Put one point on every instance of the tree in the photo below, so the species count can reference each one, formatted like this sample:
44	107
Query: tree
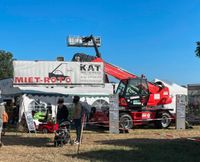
197	51
6	68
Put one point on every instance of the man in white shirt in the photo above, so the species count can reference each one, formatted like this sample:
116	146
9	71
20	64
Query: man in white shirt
77	115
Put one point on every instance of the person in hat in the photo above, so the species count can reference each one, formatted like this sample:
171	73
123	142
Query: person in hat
2	110
62	111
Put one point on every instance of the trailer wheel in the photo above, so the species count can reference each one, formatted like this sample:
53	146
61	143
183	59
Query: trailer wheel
164	122
101	104
125	121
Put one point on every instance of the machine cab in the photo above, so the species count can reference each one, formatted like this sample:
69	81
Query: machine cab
133	93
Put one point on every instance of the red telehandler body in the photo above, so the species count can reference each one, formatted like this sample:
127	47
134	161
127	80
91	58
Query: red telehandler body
140	101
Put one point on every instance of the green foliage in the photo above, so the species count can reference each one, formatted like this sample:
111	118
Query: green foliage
6	68
197	51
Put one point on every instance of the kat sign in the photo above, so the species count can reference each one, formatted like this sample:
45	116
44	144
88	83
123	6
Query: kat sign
57	73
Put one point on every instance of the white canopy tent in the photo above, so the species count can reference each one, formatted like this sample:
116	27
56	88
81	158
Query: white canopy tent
174	90
28	103
50	94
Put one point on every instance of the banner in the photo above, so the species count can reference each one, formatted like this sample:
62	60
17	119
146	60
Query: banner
57	73
180	111
114	114
193	109
30	122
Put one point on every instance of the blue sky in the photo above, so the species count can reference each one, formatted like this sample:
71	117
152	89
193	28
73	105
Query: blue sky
154	38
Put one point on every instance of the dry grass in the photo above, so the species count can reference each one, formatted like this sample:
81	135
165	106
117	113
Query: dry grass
137	145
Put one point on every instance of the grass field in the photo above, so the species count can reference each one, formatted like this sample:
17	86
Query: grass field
139	145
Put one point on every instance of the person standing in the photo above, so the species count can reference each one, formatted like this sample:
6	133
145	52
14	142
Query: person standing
2	110
77	116
62	111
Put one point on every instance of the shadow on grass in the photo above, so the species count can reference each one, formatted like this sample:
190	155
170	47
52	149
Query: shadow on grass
30	140
144	150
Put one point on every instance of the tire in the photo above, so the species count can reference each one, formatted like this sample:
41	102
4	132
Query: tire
101	104
125	121
165	121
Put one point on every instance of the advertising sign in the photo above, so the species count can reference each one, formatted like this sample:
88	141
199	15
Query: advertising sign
193	109
180	111
114	114
29	121
57	73
80	41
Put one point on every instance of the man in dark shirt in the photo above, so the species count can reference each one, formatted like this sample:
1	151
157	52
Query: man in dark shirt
62	111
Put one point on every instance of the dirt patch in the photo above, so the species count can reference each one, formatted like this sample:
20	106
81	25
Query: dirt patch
102	146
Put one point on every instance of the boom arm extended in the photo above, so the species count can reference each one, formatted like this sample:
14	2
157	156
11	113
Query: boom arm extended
115	71
159	94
